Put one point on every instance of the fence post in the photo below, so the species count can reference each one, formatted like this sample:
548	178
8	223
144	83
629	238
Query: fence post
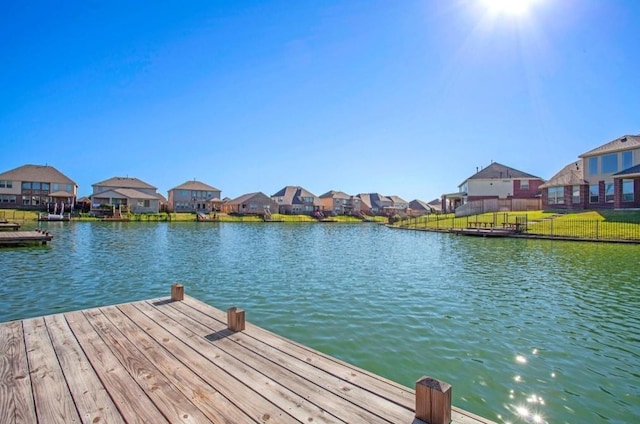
433	401
552	228
597	229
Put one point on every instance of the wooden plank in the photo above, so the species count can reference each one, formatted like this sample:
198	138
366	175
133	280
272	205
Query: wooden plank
90	397
53	400
206	398
16	400
259	395
307	383
173	404
131	401
388	389
341	369
336	378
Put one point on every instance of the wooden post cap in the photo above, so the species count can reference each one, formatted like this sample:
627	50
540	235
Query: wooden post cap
433	401
235	319
177	292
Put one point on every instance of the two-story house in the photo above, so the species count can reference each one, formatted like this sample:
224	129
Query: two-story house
484	191
125	194
374	203
296	200
340	203
194	196
36	187
607	177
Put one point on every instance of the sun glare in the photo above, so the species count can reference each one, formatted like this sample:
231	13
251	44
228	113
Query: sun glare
509	7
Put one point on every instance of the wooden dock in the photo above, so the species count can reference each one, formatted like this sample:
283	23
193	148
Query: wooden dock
179	360
22	238
9	226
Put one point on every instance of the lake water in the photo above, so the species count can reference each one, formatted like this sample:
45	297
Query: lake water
526	331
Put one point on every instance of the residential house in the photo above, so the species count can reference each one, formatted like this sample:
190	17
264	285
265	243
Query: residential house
419	208
398	205
607	177
194	196
251	203
495	188
374	204
340	203
37	187
125	194
567	189
296	200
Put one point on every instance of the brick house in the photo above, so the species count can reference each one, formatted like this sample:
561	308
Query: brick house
607	177
194	196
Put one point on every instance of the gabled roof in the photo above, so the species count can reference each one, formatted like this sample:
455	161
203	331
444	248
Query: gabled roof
634	171
419	205
39	173
572	174
333	194
498	171
128	193
626	142
292	195
125	182
195	185
246	197
377	200
396	199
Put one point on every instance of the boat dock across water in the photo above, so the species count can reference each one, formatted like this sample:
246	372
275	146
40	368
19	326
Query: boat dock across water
176	359
23	238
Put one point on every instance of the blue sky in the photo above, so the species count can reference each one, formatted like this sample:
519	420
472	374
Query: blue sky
399	97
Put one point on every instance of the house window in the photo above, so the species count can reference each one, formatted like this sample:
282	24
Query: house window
576	194
26	201
593	166
610	163
608	193
26	186
556	195
627	190
6	184
627	160
45	186
147	203
56	187
594	195
524	184
69	188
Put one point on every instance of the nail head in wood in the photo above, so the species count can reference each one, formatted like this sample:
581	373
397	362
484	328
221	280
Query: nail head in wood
433	401
235	319
177	292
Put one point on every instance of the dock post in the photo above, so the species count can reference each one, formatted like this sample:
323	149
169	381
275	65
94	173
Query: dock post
177	292
433	401
235	319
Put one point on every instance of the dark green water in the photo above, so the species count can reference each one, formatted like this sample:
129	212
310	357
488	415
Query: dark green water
526	331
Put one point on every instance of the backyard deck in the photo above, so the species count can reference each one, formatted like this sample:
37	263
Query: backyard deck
179	360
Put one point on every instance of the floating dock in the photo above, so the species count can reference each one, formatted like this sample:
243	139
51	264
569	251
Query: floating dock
23	238
176	359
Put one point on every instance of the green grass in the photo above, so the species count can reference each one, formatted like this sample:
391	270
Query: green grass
589	225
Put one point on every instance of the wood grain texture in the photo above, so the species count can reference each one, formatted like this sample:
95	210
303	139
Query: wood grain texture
163	361
16	399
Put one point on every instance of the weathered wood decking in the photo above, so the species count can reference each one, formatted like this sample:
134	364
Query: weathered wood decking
13	238
160	361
